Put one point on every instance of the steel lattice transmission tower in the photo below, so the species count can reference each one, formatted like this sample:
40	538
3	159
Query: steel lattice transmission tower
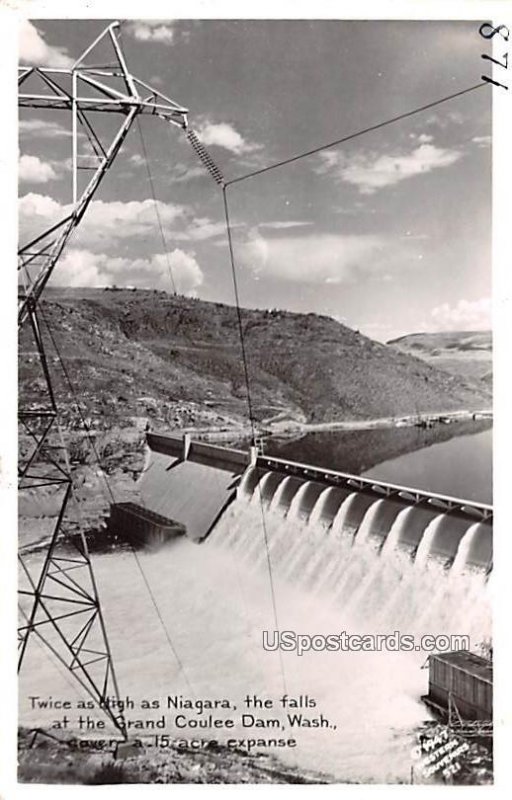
59	601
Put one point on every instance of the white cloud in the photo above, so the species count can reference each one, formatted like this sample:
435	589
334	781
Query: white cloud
465	315
409	236
423	138
106	224
282	225
482	141
46	128
32	170
224	135
34	50
137	160
370	172
39	205
324	258
103	223
181	173
186	271
446	119
81	268
85	268
152	31
201	228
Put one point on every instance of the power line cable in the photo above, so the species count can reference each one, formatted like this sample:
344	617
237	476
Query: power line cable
239	314
251	418
157	210
371	128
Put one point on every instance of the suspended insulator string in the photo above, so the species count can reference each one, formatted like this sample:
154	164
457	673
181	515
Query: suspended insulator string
157	210
205	157
355	135
113	500
252	422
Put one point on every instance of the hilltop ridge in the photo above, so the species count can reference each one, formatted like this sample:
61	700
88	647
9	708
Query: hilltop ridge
464	353
136	353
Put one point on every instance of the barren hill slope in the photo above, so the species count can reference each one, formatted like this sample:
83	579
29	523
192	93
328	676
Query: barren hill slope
178	360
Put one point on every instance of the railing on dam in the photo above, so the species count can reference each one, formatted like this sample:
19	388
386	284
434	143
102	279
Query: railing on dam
194	483
237	461
381	488
450	530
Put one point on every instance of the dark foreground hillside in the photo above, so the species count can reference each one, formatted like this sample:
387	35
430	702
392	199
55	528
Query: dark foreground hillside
51	760
178	360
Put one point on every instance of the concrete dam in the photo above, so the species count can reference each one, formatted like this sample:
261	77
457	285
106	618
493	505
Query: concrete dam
194	483
273	545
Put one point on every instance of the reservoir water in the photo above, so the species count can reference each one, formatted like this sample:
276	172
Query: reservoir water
454	460
460	467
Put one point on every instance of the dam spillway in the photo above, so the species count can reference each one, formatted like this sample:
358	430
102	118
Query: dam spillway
346	553
194	483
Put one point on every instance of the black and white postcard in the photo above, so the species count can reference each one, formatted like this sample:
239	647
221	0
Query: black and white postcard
259	252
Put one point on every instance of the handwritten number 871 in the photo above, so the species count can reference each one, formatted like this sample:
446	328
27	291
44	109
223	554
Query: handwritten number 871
488	31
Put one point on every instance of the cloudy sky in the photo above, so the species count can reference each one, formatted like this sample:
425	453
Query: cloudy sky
389	233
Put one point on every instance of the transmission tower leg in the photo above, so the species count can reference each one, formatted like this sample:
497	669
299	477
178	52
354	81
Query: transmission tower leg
59	600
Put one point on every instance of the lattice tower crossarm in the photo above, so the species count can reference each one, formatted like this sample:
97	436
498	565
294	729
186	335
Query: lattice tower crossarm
84	89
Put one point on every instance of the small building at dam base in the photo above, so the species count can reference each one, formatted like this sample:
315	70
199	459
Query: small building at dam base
141	526
461	682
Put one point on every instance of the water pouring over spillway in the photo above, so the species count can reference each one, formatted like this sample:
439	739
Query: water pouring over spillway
389	554
346	554
194	484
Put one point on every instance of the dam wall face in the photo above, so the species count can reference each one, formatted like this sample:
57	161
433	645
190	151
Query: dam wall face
189	483
193	483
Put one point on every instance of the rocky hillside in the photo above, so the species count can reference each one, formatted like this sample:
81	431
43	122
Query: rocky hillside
136	354
462	353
